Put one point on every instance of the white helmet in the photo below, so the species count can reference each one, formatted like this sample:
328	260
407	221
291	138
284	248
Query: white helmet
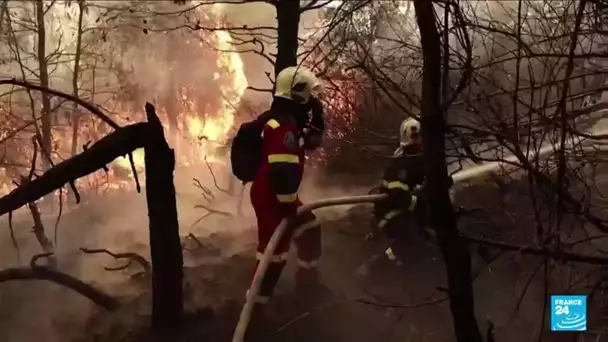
409	127
297	84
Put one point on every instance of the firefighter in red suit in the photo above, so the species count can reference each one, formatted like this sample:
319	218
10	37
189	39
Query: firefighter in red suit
288	133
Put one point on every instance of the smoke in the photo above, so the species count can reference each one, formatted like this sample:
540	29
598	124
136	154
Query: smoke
258	15
117	222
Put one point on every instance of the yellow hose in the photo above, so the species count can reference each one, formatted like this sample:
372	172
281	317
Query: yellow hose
241	327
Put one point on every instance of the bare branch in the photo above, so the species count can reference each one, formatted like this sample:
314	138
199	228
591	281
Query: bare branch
42	273
145	264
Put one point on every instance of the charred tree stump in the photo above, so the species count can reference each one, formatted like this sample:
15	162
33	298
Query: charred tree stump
165	244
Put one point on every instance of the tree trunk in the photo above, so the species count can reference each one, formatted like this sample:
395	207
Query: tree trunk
75	77
454	249
288	24
165	244
3	11
47	139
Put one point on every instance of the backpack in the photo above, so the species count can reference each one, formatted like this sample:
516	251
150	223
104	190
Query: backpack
246	149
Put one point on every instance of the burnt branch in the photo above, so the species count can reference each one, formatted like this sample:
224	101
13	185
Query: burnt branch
196	240
214	179
90	107
123	141
213	211
553	254
13	238
145	264
36	272
96	111
207	194
210	212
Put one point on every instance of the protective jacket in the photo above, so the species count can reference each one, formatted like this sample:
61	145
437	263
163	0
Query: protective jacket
274	191
402	181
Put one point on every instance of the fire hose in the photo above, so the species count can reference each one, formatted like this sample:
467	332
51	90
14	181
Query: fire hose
245	317
472	172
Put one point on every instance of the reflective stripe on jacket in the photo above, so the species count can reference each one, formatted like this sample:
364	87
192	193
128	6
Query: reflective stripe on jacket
284	158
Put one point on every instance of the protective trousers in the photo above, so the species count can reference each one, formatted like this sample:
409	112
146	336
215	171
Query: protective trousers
306	235
393	223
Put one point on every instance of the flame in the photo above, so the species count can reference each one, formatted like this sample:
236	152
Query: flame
206	131
199	132
216	128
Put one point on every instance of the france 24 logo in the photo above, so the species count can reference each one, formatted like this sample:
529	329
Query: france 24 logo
568	313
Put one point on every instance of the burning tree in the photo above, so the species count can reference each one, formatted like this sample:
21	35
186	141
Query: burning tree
96	45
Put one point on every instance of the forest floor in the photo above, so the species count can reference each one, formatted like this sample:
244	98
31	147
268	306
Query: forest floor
382	302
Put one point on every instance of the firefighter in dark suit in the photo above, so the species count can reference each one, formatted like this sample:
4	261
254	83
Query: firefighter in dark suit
403	182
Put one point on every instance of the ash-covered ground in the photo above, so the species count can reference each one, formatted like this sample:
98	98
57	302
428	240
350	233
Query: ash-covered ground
362	301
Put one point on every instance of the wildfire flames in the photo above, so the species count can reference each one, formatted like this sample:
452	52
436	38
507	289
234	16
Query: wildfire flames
201	133
215	128
196	138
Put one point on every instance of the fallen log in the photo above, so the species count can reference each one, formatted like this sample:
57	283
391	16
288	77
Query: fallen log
96	296
43	273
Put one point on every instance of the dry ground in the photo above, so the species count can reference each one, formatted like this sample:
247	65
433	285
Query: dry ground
388	303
